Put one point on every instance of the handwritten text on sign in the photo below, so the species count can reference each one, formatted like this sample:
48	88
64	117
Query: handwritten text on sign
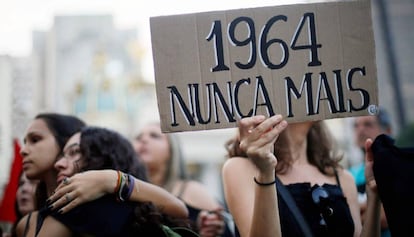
306	62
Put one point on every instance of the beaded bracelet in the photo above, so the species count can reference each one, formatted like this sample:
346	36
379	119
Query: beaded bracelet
264	184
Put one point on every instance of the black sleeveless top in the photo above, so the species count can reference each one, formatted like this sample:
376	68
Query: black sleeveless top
330	218
104	217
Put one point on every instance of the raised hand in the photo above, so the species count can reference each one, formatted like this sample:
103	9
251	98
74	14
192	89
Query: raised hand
257	138
369	162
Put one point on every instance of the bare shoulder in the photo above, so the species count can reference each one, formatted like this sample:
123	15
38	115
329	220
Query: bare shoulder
237	168
53	227
236	164
347	181
198	195
237	175
345	176
21	225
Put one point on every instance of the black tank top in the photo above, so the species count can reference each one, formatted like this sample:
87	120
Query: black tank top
337	216
337	220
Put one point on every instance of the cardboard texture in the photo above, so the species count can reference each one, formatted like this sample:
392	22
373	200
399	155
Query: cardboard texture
305	61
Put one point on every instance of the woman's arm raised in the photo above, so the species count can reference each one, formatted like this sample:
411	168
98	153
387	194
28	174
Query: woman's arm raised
253	206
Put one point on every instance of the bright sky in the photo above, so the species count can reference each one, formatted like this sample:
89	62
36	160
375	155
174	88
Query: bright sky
18	18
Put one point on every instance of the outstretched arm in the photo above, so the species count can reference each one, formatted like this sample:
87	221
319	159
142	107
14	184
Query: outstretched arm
93	184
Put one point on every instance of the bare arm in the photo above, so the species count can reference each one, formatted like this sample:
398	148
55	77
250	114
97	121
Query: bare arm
90	185
254	207
168	203
372	223
209	221
21	225
350	192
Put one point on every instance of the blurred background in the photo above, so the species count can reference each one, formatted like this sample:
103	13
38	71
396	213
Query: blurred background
93	59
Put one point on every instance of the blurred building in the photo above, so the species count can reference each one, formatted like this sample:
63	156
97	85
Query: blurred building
16	104
6	145
89	68
393	33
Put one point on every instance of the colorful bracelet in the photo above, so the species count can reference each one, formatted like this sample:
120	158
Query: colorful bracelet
124	187
131	186
264	184
118	182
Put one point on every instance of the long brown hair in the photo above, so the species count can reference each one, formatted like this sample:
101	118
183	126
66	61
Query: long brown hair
321	149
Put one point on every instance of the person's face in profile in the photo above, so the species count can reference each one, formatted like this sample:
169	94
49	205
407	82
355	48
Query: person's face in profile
25	194
69	162
39	151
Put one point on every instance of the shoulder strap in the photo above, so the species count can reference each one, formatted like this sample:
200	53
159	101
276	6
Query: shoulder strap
39	222
290	202
26	227
182	188
337	178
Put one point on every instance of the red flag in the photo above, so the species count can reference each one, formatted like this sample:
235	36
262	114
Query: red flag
7	212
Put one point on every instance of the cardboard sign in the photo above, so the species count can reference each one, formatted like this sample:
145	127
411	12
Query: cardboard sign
305	61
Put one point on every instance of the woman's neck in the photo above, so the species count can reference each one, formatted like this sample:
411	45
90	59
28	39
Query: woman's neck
157	175
297	135
50	181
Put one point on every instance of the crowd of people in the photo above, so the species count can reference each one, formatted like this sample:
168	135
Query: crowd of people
279	179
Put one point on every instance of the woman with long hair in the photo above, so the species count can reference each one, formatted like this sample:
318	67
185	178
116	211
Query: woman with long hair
43	144
95	149
164	159
303	157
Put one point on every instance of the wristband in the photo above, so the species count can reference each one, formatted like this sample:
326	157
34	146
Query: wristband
264	184
118	182
131	186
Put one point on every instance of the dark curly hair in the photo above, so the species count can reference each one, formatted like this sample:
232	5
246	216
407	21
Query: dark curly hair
102	148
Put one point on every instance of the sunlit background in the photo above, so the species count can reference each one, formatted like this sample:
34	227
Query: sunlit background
93	59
